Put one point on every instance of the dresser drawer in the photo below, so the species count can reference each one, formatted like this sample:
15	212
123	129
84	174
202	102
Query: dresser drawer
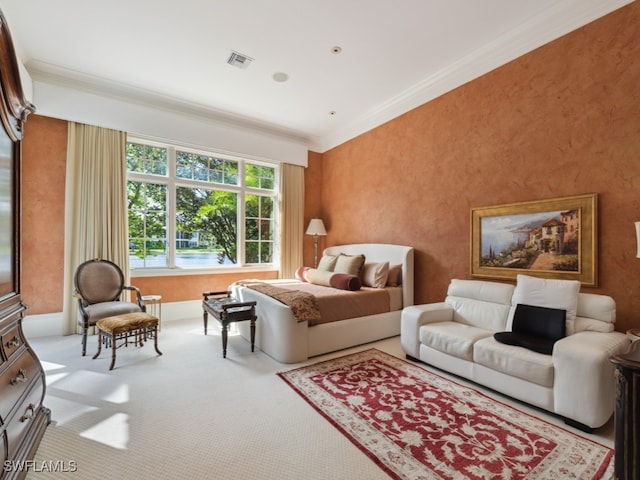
20	422
11	341
17	377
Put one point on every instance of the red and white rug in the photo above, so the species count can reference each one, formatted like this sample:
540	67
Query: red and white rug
419	425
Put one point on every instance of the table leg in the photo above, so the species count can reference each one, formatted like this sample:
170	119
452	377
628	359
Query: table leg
225	328
253	333
205	317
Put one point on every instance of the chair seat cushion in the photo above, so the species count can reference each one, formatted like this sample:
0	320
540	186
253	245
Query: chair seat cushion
127	322
109	309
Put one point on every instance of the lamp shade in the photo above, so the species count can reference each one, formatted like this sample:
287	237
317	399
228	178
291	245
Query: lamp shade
316	227
638	238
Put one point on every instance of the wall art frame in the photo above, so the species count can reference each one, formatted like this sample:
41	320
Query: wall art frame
554	238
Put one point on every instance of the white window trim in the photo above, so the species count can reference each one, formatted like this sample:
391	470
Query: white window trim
171	181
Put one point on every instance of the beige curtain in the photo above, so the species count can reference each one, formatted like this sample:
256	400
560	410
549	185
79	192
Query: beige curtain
95	205
291	218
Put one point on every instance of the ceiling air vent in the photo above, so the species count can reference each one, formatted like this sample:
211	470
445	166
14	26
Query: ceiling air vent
239	60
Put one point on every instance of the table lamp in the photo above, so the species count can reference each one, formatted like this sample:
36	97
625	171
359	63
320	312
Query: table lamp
316	228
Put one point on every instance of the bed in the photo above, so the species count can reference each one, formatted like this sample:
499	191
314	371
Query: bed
288	339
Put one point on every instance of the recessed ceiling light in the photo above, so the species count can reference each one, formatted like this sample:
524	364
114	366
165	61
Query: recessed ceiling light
336	50
280	77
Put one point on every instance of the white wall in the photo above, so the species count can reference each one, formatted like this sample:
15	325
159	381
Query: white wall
186	126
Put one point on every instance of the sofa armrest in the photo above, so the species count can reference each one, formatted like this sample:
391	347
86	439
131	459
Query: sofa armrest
584	377
417	315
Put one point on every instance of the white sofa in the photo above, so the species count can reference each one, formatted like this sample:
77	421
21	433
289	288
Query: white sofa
576	381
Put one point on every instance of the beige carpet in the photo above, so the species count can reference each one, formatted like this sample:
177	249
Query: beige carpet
190	414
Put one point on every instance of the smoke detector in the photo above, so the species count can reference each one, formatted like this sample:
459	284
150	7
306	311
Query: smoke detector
239	60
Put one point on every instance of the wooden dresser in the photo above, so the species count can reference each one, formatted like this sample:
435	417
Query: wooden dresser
23	418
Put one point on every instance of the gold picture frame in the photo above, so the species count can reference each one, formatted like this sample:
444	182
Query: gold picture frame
555	238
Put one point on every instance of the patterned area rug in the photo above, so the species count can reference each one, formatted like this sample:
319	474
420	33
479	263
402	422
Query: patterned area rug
419	425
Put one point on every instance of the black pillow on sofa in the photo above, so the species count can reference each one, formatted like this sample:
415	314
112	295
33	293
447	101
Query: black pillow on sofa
535	328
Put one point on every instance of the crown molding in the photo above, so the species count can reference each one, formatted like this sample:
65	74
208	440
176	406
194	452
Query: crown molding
74	80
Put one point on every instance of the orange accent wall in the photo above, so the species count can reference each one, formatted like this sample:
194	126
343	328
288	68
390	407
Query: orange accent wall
190	287
563	120
44	158
312	205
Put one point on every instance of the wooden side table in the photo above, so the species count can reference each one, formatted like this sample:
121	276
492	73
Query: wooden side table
227	309
627	413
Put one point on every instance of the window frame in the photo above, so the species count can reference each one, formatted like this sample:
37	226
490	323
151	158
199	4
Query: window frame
172	182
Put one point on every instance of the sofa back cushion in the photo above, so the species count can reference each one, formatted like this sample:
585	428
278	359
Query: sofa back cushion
480	304
550	293
596	313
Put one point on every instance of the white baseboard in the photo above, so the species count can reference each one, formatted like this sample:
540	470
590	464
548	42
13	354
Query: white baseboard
51	324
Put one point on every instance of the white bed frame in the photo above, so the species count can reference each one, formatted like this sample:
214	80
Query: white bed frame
286	340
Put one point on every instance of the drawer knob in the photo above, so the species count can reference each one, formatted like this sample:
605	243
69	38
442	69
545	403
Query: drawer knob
20	378
29	413
14	342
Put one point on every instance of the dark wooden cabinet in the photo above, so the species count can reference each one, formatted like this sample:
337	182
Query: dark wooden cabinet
627	413
23	417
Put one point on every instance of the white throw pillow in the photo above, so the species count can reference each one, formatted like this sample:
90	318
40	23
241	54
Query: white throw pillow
549	293
375	274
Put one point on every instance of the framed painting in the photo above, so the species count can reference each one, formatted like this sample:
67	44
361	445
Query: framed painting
553	238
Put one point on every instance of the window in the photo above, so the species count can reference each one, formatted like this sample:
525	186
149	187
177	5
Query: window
217	210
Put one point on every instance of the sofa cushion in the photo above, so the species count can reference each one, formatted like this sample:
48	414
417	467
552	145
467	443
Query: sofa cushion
515	361
535	328
551	293
492	292
486	315
595	313
452	338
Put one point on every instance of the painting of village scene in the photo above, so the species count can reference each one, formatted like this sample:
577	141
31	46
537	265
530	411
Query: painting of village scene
553	238
536	241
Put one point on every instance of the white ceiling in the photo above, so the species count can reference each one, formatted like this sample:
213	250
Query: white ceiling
396	54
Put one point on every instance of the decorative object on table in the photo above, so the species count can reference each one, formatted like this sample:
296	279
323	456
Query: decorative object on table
627	415
227	309
416	424
555	238
140	326
316	228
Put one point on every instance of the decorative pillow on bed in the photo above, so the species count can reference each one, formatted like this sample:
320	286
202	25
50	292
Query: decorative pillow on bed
327	262
375	274
394	279
349	264
341	281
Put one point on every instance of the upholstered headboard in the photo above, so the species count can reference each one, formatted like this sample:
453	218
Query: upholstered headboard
384	252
